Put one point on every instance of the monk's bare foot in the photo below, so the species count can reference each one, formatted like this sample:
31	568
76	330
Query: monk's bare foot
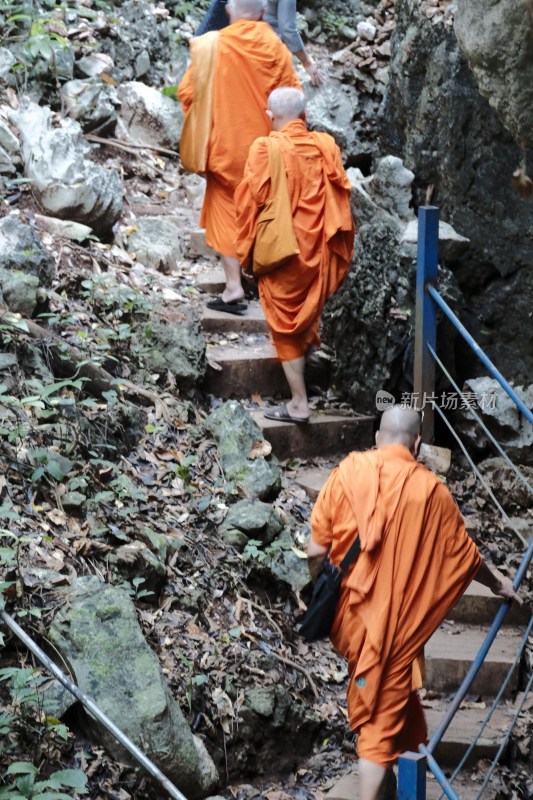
232	297
298	410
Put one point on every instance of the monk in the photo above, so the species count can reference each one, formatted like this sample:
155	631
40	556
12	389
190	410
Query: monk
293	295
416	560
251	61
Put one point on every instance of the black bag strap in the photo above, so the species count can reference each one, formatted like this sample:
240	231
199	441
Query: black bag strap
351	555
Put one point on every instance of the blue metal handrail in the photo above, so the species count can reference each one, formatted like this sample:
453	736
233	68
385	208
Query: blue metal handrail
430	289
424	384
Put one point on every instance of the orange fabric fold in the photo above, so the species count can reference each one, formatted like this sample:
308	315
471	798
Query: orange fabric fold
416	560
251	62
293	295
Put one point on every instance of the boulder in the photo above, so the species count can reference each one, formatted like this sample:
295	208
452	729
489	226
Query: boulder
148	117
7	163
512	491
497	40
156	242
176	346
21	249
91	103
98	621
7	61
255	519
19	291
65	182
95	64
235	433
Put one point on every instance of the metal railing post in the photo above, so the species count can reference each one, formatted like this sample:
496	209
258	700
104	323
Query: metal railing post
412	776
427	263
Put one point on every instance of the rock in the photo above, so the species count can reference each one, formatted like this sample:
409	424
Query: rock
65	182
235	432
142	64
194	186
255	519
136	559
451	244
64	228
93	65
234	538
367	30
73	499
148	117
332	108
21	249
156	242
91	103
500	415
176	346
383	196
291	569
96	622
268	719
497	40
19	291
7	164
437	459
7	60
8	141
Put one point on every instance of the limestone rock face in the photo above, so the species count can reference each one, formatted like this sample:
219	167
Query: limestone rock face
91	102
98	634
148	117
497	40
434	118
66	182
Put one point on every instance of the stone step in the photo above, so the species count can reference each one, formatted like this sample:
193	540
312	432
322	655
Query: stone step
252	321
452	649
243	370
464	728
211	280
325	434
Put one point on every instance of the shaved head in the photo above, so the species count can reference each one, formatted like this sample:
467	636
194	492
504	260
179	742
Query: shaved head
245	9
399	425
287	103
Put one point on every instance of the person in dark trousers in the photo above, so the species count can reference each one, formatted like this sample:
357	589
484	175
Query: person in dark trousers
281	16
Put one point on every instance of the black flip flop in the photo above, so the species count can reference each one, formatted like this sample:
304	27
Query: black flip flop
281	414
236	307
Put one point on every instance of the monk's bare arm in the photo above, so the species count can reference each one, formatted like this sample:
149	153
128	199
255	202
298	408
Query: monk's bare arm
316	555
497	583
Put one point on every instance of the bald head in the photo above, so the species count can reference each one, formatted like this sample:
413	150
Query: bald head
245	9
399	425
287	103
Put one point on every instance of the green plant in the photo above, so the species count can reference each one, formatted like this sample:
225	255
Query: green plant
26	724
26	787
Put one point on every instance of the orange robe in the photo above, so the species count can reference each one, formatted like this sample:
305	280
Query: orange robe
251	62
294	294
416	561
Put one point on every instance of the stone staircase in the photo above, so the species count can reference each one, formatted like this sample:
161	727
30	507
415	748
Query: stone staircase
242	365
